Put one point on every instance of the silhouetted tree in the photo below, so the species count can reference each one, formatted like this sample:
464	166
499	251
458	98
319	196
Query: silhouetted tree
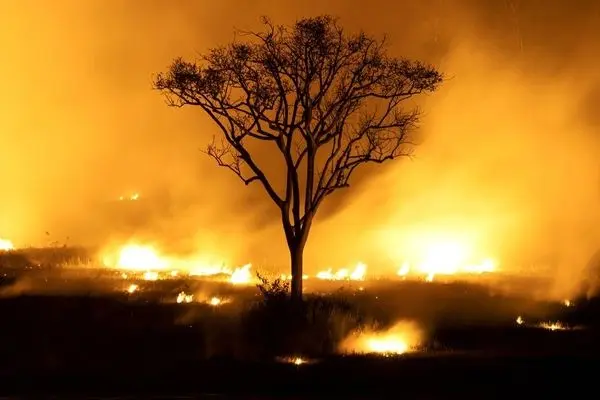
325	100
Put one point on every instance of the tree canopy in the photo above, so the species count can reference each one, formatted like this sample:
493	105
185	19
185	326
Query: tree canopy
329	102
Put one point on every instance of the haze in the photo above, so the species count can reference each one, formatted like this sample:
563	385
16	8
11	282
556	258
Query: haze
508	159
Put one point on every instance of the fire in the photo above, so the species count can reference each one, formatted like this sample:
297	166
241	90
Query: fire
357	274
387	345
132	288
401	338
151	276
446	257
295	360
138	258
241	275
184	298
6	245
217	301
553	326
155	265
285	277
207	269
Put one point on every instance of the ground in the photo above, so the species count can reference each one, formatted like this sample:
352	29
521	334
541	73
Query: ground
82	332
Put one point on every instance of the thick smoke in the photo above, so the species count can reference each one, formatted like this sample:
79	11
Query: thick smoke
509	143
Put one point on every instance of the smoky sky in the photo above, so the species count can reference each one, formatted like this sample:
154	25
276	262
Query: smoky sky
509	144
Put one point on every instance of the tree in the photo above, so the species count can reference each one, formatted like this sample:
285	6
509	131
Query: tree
327	102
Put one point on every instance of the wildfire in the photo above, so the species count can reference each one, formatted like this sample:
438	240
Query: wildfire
286	277
184	298
155	266
138	258
132	288
446	258
401	338
218	301
241	275
357	274
437	258
553	326
151	276
6	245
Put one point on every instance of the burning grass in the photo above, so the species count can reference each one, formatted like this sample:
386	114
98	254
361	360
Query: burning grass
212	317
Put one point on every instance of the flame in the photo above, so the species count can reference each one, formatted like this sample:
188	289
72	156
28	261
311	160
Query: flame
295	360
147	258
438	258
403	337
553	326
184	298
132	288
138	258
445	257
151	276
387	345
6	245
217	301
241	275
357	274
201	268
519	320
286	277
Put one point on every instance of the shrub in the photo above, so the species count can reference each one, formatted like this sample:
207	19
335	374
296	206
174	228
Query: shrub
276	326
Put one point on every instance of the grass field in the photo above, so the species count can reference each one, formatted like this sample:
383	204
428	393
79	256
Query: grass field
81	329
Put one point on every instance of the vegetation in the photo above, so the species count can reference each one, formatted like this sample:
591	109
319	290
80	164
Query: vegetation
318	100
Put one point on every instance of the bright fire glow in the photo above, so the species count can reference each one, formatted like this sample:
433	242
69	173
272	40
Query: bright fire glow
215	301
445	257
403	337
151	276
553	326
357	274
132	288
139	258
184	298
241	275
295	360
6	245
438	257
146	258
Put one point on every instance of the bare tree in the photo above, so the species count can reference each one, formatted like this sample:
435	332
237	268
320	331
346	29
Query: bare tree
327	100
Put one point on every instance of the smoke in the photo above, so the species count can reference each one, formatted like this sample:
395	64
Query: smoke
508	158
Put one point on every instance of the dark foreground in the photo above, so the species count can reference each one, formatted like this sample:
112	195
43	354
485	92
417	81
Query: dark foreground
435	376
82	335
100	346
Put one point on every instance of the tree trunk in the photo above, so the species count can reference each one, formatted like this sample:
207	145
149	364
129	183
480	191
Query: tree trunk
297	258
